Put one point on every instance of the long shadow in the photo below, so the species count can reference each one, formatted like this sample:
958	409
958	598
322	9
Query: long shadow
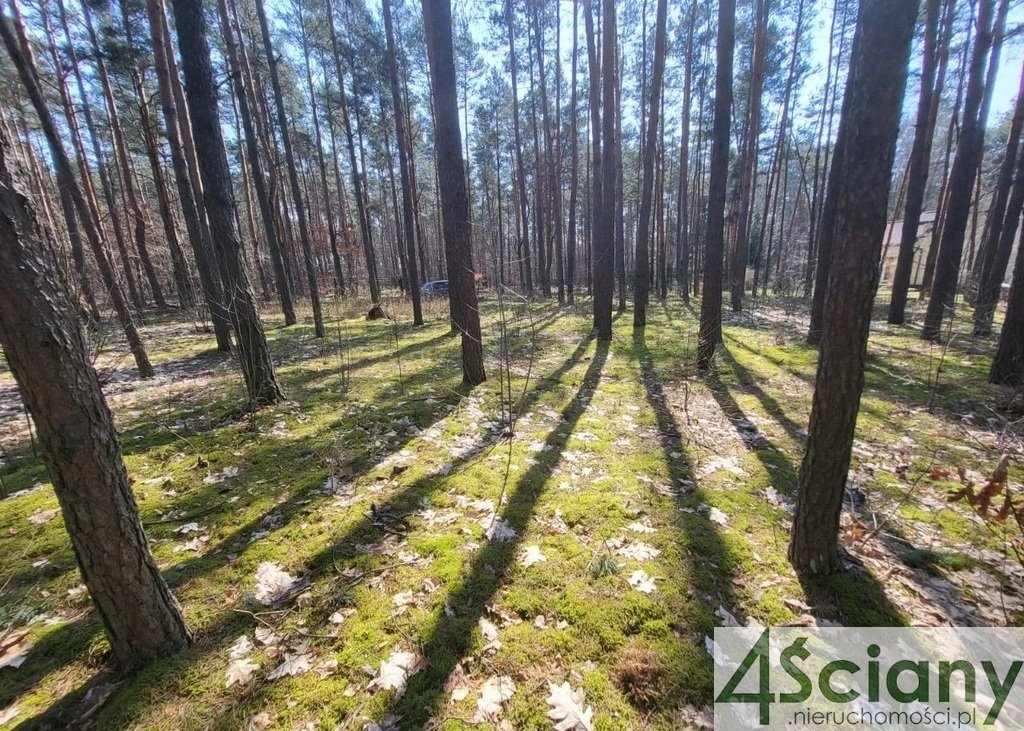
768	403
710	561
451	635
781	471
75	637
356	541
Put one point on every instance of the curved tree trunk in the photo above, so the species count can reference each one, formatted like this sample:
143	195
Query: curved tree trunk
19	52
47	355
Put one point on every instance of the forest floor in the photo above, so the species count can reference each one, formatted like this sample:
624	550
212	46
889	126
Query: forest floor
393	559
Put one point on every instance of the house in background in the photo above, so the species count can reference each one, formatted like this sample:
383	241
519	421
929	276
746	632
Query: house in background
890	251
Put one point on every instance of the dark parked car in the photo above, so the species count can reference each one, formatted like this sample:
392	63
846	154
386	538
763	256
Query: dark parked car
437	288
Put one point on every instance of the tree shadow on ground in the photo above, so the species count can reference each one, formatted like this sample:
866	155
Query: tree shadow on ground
357	540
855	596
451	635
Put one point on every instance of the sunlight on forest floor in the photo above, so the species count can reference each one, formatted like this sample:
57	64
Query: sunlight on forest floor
643	506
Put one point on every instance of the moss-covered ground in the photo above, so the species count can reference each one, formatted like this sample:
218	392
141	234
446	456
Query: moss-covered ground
640	504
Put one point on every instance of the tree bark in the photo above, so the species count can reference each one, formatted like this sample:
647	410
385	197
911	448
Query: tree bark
47	354
1008	363
993	257
870	116
641	292
920	155
714	243
408	224
253	353
437	17
195	217
293	173
604	232
748	164
961	179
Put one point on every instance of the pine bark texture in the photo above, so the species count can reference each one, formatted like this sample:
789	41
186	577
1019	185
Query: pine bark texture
871	113
46	351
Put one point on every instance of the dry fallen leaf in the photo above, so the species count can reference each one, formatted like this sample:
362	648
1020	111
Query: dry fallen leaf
395	671
296	664
240	671
272	583
568	710
532	555
643	583
497	690
14	648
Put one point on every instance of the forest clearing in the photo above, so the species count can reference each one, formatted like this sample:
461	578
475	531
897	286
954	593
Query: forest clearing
643	506
387	365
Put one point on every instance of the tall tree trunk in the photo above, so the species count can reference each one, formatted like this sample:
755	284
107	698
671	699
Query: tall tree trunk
570	272
357	186
961	179
408	223
195	217
748	164
47	354
124	161
714	242
604	232
870	117
682	234
332	232
253	352
641	293
293	173
437	18
179	267
990	267
20	53
920	155
596	168
1008	363
523	247
991	284
113	208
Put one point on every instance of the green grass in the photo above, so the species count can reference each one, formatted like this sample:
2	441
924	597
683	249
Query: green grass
607	437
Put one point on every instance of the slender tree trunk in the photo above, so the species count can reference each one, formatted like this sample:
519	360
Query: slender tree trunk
233	49
961	179
748	165
714	243
682	265
401	133
987	273
124	161
574	155
19	51
989	288
332	232
641	293
870	116
195	217
293	173
357	187
523	246
47	354
253	352
437	17
1008	363
920	157
596	167
604	232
